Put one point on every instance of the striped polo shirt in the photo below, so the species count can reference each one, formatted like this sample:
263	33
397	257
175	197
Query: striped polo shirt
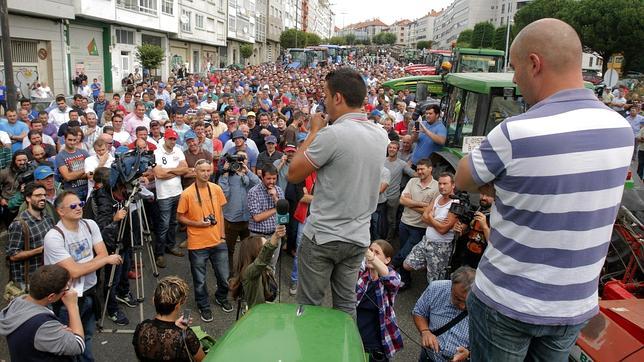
558	171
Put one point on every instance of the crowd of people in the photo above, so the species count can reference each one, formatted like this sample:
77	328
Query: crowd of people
352	161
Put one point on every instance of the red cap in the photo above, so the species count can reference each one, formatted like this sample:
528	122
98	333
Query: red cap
290	148
170	133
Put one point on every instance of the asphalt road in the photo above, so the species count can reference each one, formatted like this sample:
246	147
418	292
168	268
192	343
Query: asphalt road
109	346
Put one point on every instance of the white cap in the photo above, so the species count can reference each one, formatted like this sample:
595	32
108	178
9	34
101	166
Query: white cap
412	105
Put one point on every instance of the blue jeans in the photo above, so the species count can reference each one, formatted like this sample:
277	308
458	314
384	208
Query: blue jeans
409	236
88	318
218	256
167	224
496	337
378	225
300	229
120	283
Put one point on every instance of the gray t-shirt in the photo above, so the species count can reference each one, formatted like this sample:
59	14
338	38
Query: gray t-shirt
396	169
348	157
385	178
74	162
78	245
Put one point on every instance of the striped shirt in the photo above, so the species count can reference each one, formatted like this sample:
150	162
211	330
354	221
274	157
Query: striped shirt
558	171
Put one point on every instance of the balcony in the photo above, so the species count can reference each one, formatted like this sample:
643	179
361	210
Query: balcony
149	7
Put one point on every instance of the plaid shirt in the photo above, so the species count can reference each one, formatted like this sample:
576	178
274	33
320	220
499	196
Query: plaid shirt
259	201
37	231
386	290
5	157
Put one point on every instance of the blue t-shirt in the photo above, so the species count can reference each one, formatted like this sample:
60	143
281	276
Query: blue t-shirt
14	129
3	92
96	89
425	146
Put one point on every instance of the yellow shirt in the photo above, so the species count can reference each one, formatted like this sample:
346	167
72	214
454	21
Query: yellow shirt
198	237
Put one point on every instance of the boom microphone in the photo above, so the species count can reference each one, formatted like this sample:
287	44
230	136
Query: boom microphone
282	206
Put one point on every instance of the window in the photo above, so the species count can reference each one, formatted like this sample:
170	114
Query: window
221	30
124	36
232	24
210	25
503	9
167	7
143	6
186	21
199	21
590	62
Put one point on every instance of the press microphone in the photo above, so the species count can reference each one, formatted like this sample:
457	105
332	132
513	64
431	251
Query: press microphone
282	206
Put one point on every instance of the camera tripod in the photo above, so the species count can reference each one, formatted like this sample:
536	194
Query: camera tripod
142	241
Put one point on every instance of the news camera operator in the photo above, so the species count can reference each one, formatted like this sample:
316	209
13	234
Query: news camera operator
200	209
472	231
108	214
236	180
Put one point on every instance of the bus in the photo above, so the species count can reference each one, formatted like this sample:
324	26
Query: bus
299	58
334	52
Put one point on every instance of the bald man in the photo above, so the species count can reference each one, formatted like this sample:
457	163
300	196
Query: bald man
558	173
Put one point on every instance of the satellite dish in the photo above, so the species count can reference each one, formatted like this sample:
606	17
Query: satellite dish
184	19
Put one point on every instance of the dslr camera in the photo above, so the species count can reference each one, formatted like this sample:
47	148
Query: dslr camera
211	219
235	162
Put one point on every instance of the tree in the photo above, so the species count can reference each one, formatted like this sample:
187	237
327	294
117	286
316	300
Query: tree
464	38
384	38
500	35
608	27
150	56
288	37
424	44
337	40
539	9
350	39
246	50
482	35
312	39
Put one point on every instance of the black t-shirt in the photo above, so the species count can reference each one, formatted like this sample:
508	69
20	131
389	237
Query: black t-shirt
156	340
369	318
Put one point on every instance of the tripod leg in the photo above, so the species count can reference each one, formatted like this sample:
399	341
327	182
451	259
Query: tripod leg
110	283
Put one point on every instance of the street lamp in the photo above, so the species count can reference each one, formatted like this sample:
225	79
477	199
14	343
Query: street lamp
507	44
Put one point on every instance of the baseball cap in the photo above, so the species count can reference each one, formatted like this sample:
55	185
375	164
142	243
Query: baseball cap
42	172
238	134
170	133
243	118
270	139
265	87
190	135
376	113
412	105
251	114
289	147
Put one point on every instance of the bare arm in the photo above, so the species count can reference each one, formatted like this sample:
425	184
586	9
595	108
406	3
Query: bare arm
26	254
301	167
464	178
442	226
264	215
77	270
68	175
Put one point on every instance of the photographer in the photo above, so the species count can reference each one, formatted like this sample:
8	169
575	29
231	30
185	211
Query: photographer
12	179
434	251
473	237
33	332
200	209
167	336
235	183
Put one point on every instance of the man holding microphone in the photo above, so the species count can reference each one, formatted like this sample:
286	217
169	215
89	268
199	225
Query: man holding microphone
336	234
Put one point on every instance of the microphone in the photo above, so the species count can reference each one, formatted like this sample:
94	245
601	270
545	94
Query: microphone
282	216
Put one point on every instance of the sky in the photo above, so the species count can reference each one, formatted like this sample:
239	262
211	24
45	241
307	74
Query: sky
353	11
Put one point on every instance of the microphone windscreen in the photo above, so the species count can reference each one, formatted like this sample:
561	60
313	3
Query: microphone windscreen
282	206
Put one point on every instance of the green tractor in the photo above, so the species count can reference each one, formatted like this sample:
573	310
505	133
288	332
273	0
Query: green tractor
475	103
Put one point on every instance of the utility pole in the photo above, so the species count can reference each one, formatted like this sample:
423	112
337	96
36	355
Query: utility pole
11	95
296	16
507	46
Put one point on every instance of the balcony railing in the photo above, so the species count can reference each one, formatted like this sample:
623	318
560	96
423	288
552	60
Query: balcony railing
149	7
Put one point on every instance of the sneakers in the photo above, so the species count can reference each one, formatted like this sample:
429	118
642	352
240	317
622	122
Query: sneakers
183	244
225	305
119	318
176	251
160	261
292	289
206	315
128	300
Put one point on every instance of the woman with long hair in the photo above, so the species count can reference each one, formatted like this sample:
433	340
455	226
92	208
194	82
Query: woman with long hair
253	280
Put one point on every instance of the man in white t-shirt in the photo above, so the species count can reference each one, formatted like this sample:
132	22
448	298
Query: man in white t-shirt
158	113
170	166
101	158
76	244
434	251
120	134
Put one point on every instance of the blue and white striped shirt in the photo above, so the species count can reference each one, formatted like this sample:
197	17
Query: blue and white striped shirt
558	171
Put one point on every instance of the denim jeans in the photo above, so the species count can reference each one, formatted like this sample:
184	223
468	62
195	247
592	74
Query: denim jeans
496	337
88	318
218	256
378	226
167	231
409	237
300	229
335	261
120	283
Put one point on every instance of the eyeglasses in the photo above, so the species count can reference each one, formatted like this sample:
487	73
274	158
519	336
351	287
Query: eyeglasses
168	126
74	206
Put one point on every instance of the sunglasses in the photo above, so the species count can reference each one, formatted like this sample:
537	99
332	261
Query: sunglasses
74	206
168	126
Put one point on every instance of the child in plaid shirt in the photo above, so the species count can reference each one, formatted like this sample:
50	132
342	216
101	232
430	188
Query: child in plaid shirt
376	290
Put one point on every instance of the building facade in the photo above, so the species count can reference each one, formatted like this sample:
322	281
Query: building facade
458	16
241	29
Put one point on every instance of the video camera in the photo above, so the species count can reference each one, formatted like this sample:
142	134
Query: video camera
26	176
235	162
463	209
129	166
